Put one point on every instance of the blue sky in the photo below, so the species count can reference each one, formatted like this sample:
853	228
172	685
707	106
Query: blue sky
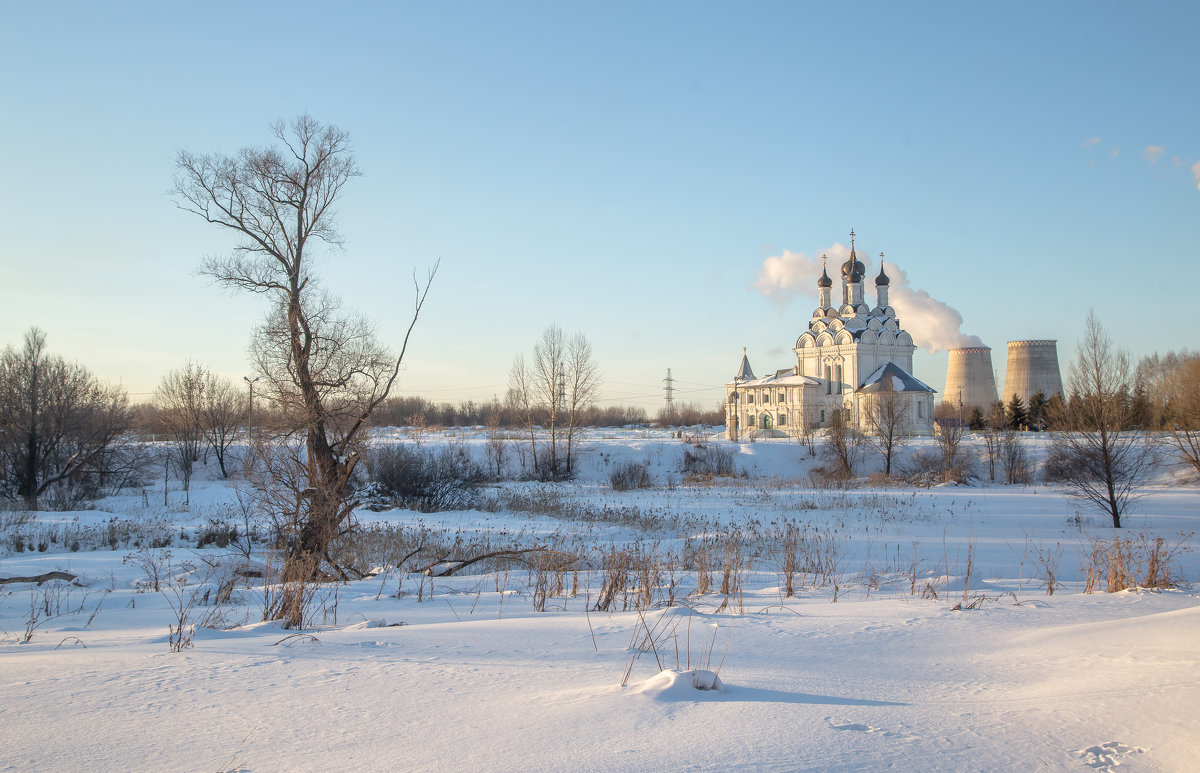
619	169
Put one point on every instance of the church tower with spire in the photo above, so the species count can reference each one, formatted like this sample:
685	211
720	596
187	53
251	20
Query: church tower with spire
847	358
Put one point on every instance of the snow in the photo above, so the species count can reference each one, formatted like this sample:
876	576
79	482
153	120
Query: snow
867	676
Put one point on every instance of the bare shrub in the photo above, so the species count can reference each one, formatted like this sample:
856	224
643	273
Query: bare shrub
1047	562
630	475
426	479
704	462
1129	562
1014	459
615	564
923	467
785	551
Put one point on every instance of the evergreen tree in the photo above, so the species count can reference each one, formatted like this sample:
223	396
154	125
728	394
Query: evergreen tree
1037	410
975	421
1140	411
1015	410
1053	412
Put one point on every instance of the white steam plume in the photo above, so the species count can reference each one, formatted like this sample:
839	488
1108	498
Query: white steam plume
933	324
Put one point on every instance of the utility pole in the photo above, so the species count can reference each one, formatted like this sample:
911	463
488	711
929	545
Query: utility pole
250	413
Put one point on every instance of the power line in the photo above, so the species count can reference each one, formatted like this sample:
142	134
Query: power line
669	388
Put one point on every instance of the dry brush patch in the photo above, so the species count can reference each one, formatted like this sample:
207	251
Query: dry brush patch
1125	562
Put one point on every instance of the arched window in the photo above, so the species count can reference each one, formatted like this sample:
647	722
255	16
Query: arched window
783	419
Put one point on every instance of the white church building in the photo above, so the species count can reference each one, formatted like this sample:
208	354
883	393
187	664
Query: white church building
851	359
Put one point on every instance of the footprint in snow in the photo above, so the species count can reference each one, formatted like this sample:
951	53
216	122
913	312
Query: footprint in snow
1106	756
861	728
851	726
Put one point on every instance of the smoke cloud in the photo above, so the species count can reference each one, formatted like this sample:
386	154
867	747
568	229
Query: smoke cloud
933	324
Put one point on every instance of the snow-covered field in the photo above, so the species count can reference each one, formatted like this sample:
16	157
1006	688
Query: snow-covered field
924	640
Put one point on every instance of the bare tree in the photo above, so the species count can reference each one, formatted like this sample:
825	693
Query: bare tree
809	428
221	415
1100	460
324	369
496	445
521	402
558	386
1182	413
179	398
993	432
583	383
549	384
843	445
58	423
949	434
889	423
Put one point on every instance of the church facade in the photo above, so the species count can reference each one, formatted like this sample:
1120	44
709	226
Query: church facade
854	362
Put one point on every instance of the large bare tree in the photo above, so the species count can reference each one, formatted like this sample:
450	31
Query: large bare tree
58	423
323	368
1100	459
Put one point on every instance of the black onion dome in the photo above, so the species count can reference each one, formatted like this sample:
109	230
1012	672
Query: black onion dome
882	280
824	281
854	268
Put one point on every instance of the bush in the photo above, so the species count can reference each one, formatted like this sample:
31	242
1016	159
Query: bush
1014	460
1058	465
630	475
425	479
701	461
926	467
923	467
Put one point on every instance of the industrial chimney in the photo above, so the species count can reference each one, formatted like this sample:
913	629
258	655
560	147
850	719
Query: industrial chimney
970	370
1032	368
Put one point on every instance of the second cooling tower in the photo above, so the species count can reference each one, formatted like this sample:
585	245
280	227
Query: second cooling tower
970	370
1032	368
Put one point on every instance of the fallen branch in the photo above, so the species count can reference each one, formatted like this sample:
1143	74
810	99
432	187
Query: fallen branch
41	578
511	555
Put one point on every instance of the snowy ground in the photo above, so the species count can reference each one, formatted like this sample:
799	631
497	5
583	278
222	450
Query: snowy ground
472	678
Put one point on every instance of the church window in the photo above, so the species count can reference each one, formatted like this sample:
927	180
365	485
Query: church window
766	397
828	380
783	419
822	415
783	395
750	397
920	409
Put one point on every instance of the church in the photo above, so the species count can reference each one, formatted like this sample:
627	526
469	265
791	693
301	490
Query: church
853	362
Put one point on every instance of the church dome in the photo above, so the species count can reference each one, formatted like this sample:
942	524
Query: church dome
853	268
824	281
882	280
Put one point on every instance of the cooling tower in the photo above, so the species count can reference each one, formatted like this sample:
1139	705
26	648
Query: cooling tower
970	370
1032	368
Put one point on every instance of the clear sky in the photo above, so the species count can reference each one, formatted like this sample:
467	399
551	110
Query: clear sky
646	173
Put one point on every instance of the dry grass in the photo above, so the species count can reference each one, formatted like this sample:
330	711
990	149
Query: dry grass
1126	562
